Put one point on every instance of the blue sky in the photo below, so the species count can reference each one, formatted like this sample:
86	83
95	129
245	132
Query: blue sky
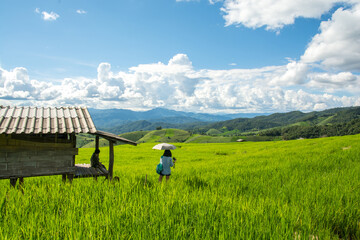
201	56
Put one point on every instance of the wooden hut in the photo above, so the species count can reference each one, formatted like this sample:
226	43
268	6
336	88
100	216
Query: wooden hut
37	141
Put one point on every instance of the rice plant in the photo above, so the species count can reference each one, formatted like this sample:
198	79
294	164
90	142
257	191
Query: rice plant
303	189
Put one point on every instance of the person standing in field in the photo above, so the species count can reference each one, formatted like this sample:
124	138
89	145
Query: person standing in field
167	161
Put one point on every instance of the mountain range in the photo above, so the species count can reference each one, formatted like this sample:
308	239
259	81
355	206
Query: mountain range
116	118
121	121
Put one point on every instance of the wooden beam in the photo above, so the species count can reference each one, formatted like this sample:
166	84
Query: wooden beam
41	172
111	159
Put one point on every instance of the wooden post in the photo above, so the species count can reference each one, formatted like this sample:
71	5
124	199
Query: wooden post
64	178
73	137
96	147
111	159
13	181
97	142
70	177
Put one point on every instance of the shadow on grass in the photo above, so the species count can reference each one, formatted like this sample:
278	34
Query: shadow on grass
196	182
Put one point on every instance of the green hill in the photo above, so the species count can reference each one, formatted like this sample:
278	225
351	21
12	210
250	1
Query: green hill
133	136
165	135
292	125
210	139
276	120
241	126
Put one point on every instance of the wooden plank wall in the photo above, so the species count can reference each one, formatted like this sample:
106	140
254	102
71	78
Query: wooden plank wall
27	156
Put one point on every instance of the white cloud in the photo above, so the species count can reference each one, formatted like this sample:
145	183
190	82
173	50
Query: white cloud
80	11
179	86
274	14
295	73
52	16
15	83
111	85
180	59
337	46
345	81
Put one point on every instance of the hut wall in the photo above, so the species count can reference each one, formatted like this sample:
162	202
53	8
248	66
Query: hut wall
36	155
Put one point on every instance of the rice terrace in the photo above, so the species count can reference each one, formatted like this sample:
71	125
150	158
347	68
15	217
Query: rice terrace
300	189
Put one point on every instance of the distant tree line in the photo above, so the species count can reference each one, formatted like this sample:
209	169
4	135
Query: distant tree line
295	132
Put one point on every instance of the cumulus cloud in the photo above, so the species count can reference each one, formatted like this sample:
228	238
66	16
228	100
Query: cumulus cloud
80	11
50	16
333	82
337	46
177	85
47	16
161	84
294	73
334	51
273	14
111	86
15	83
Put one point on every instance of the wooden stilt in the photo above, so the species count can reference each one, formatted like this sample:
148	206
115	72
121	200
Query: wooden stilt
13	181
70	177
64	178
73	137
111	159
97	142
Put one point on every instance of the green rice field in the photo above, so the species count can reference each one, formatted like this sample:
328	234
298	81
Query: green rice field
302	189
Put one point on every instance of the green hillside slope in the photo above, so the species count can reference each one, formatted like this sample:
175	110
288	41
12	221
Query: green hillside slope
165	135
169	136
292	125
295	118
133	136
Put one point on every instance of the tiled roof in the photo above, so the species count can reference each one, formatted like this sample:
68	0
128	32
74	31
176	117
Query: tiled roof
50	120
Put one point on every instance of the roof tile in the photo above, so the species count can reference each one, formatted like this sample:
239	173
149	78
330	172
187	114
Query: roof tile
27	120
